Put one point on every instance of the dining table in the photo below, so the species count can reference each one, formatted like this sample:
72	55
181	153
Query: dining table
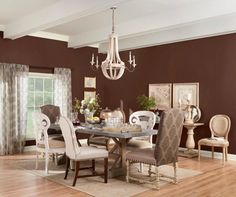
121	137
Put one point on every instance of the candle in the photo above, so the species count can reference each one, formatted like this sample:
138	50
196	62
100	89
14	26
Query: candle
130	61
134	61
92	60
97	60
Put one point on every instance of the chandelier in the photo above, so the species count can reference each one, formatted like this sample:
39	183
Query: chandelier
113	67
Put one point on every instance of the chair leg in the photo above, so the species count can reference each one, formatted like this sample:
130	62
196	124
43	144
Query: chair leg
199	149
46	162
212	152
150	170
127	170
157	178
56	158
37	160
226	154
175	172
76	172
223	156
141	167
93	167
105	170
67	167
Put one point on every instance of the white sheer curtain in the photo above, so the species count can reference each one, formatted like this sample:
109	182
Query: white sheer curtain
13	107
63	97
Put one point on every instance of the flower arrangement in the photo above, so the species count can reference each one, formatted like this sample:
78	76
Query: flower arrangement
87	105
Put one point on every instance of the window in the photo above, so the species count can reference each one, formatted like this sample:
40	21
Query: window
40	92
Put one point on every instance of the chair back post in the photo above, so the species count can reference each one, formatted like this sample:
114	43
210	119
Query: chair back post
41	125
169	136
220	126
52	111
68	132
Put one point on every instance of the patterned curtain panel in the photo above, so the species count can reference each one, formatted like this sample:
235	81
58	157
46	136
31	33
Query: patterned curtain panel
63	90
13	107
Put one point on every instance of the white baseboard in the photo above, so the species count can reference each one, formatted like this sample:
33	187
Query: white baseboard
217	155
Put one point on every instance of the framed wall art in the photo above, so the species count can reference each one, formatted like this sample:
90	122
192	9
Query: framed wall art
185	94
89	94
90	82
162	94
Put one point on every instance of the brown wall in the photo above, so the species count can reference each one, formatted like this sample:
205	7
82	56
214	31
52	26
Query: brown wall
209	61
42	55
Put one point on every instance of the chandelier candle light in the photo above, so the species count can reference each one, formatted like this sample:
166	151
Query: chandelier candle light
113	67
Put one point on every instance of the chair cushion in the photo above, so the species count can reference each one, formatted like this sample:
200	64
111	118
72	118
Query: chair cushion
133	143
214	142
143	156
53	144
89	152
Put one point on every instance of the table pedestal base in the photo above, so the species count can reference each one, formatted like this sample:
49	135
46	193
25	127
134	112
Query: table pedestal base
116	172
189	153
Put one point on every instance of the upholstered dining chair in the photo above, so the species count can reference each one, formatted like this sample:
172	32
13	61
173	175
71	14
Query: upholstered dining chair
219	126
77	154
147	120
43	143
165	151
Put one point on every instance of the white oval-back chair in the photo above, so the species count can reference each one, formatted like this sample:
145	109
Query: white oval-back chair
219	126
43	143
147	120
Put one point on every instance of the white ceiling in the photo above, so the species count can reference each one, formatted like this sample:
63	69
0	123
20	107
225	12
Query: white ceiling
139	23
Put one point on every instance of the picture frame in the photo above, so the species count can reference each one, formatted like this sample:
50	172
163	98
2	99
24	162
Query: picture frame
185	94
89	94
162	93
90	82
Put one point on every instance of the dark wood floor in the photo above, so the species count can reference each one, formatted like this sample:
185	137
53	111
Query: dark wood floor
215	180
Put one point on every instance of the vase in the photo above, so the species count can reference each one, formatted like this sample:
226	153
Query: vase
88	115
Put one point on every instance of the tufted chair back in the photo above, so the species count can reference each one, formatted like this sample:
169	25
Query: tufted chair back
68	132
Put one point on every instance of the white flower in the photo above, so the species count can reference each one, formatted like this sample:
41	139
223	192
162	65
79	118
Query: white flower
82	102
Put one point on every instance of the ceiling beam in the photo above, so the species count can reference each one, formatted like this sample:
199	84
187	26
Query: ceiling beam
206	28
152	23
62	12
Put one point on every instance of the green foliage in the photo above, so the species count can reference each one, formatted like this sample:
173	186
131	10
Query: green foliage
146	103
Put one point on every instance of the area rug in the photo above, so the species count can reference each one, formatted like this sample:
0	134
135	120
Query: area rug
94	185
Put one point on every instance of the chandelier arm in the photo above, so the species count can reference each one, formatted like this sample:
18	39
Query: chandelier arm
130	68
116	49
111	51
